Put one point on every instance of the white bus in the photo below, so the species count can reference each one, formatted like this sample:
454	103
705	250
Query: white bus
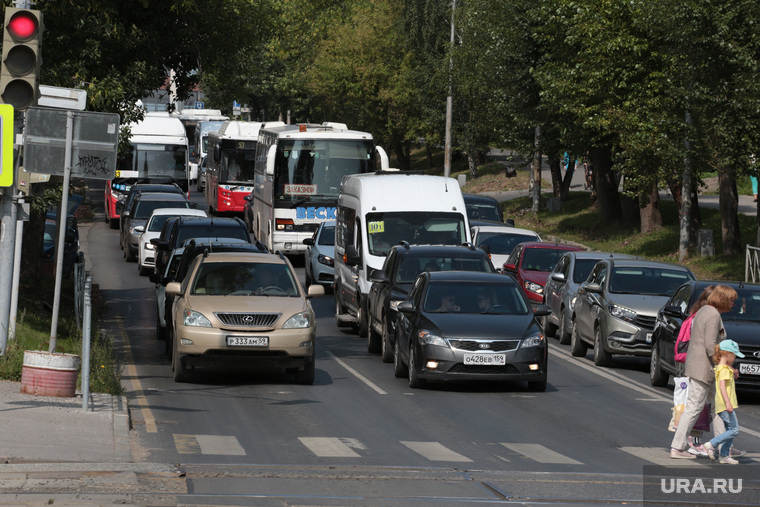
297	178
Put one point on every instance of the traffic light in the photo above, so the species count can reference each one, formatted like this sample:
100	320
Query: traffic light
22	41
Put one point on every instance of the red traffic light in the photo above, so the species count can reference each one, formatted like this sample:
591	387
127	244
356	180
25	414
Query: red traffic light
22	26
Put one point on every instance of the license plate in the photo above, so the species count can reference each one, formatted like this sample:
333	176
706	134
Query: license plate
486	359
649	337
749	368
248	341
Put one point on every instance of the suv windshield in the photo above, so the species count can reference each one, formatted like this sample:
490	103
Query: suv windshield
245	279
643	280
417	228
411	265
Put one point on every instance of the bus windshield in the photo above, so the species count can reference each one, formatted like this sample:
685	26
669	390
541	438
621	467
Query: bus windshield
418	228
154	160
313	168
239	165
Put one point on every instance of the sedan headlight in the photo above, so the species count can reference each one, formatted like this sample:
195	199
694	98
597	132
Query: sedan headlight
428	338
196	319
622	313
327	261
534	340
298	321
533	287
149	246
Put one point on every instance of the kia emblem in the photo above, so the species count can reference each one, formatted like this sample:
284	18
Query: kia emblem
484	345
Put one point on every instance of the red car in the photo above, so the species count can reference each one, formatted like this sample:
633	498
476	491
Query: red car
530	264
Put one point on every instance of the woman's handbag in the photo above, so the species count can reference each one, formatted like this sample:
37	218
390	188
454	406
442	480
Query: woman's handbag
680	394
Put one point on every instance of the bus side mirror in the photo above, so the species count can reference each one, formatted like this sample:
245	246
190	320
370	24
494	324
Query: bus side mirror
270	159
217	153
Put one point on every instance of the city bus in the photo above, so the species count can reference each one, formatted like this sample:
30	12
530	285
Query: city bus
158	153
297	178
229	166
198	123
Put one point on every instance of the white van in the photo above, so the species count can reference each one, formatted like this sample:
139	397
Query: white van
379	210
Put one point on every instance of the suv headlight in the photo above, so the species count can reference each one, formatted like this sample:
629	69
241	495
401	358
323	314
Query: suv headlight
428	338
196	319
534	340
298	321
622	313
533	287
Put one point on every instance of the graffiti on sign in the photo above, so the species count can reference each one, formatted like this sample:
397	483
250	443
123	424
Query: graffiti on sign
91	165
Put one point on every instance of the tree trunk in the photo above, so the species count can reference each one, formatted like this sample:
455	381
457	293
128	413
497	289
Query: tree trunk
651	216
564	191
606	185
555	167
536	172
429	154
401	155
472	163
729	209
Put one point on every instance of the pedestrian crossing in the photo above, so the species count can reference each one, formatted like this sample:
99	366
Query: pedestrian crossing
435	452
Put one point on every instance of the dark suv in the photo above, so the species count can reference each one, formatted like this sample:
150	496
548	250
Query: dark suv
135	190
178	230
138	214
391	284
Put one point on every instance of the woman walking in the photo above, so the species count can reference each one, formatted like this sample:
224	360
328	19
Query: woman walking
706	331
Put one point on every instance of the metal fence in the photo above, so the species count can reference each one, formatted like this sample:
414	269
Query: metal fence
79	281
752	264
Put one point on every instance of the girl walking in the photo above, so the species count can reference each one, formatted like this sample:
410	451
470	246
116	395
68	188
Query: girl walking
726	353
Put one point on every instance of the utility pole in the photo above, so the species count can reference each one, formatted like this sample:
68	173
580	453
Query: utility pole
686	188
449	101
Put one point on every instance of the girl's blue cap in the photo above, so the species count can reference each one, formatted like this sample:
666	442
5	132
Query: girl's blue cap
731	346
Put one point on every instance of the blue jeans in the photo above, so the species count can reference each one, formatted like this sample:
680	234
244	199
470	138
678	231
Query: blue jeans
727	437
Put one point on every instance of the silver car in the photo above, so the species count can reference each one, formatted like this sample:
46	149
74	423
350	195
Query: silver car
320	250
616	307
562	286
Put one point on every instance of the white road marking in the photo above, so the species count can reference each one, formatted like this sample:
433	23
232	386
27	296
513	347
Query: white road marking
661	456
356	374
222	445
326	447
435	451
541	454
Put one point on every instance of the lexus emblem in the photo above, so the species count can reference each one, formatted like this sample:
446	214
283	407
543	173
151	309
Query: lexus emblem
484	345
756	354
248	319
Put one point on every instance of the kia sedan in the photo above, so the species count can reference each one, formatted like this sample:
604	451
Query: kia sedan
461	325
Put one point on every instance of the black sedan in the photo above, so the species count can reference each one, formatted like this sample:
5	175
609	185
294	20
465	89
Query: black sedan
742	325
469	326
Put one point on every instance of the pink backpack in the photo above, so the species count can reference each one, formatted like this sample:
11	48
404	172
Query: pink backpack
682	342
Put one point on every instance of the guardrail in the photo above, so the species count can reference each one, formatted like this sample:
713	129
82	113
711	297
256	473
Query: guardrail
752	264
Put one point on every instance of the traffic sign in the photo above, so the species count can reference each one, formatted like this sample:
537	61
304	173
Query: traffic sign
6	145
94	143
199	105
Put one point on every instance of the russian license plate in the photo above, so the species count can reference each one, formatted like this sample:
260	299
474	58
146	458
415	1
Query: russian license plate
248	341
485	359
749	368
649	337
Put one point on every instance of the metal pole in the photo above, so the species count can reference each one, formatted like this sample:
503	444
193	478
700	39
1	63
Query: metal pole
16	278
62	229
86	333
449	101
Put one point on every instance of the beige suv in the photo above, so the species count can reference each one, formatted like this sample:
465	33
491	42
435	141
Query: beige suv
247	307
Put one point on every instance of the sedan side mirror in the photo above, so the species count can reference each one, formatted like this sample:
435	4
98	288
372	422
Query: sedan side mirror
542	310
406	307
139	229
509	267
309	241
673	311
594	287
379	276
558	277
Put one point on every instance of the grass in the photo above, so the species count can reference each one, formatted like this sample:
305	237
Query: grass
33	333
579	222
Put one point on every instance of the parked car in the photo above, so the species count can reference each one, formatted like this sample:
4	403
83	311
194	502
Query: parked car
617	306
177	267
530	264
562	287
500	241
146	257
178	230
320	250
482	209
70	244
138	214
391	284
465	325
139	188
245	307
742	324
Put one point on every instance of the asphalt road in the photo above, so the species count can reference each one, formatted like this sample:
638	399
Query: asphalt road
359	436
